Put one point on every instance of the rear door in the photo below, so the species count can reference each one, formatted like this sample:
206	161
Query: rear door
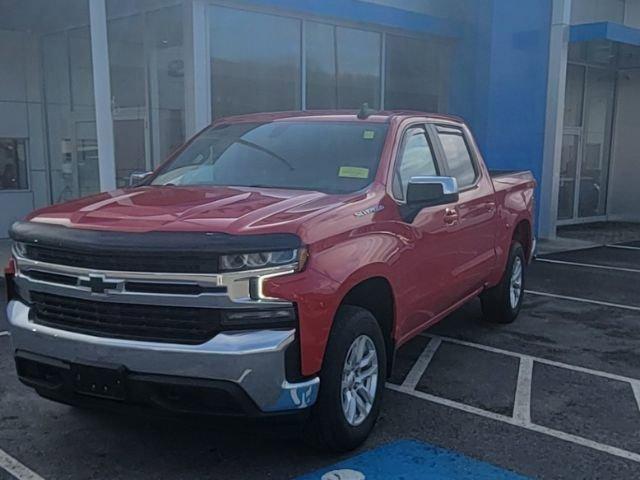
472	235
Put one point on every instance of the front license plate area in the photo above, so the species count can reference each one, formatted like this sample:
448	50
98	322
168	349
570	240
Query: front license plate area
100	382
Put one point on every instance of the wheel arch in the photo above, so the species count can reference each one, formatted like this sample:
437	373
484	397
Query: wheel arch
523	234
376	295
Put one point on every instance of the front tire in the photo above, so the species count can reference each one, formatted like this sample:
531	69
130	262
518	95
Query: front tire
351	383
502	303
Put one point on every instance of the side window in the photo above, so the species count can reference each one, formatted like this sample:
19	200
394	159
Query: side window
415	160
457	156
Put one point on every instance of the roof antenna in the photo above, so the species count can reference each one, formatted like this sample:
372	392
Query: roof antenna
365	111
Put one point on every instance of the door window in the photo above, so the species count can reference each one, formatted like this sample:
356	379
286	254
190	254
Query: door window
457	156
416	160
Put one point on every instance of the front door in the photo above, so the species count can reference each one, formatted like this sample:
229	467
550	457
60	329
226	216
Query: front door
426	268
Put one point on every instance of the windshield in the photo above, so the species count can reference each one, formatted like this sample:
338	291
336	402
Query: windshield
333	157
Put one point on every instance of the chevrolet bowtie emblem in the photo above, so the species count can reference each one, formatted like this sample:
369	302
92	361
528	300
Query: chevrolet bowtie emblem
98	283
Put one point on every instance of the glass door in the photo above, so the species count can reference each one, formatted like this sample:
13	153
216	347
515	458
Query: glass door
585	158
596	145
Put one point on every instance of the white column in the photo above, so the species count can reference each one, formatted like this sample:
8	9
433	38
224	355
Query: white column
197	67
102	94
557	81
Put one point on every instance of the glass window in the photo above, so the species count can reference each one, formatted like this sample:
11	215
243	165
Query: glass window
322	88
568	172
414	78
255	62
358	71
71	132
574	96
329	157
126	62
13	164
166	73
416	160
594	169
459	162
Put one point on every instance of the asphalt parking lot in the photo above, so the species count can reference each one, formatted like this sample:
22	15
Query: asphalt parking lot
554	395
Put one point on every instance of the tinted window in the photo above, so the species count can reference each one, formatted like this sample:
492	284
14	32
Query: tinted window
322	89
343	66
415	73
416	160
255	62
457	156
358	67
330	157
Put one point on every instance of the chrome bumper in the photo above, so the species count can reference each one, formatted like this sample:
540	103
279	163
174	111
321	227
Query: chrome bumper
254	360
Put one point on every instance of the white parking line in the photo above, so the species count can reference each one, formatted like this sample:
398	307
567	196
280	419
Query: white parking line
624	247
522	403
575	439
553	363
16	468
418	369
588	265
584	300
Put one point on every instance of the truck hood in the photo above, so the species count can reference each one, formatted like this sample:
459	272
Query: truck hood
234	210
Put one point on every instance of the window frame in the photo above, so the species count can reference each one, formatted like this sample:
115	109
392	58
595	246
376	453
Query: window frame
400	152
27	170
435	126
305	17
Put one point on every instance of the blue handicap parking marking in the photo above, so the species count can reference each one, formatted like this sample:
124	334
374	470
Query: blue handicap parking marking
411	460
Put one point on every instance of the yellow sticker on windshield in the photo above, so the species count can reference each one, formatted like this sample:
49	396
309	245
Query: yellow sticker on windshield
353	172
368	134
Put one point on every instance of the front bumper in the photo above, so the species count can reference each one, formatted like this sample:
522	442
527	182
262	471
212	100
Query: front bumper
251	362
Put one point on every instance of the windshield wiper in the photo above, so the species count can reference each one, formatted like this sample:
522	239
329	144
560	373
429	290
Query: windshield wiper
265	150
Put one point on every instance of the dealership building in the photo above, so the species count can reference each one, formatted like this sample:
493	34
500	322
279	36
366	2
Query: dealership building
93	90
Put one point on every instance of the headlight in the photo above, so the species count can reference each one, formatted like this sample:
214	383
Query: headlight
254	261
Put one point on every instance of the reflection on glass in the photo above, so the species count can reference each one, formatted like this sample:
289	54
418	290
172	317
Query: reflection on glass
358	54
322	87
255	62
594	169
568	166
458	158
166	73
126	62
416	161
127	68
329	157
13	164
68	88
574	96
414	77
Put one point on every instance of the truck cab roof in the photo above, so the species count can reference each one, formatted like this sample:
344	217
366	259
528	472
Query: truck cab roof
382	116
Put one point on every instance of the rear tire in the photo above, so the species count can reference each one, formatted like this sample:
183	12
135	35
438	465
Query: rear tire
349	399
502	303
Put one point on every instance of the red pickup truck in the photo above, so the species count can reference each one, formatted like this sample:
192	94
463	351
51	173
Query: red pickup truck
274	264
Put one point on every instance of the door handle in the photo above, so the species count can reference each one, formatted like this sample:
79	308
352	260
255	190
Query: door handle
450	216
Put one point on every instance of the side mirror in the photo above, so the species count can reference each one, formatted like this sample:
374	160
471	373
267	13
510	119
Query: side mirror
427	192
136	178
